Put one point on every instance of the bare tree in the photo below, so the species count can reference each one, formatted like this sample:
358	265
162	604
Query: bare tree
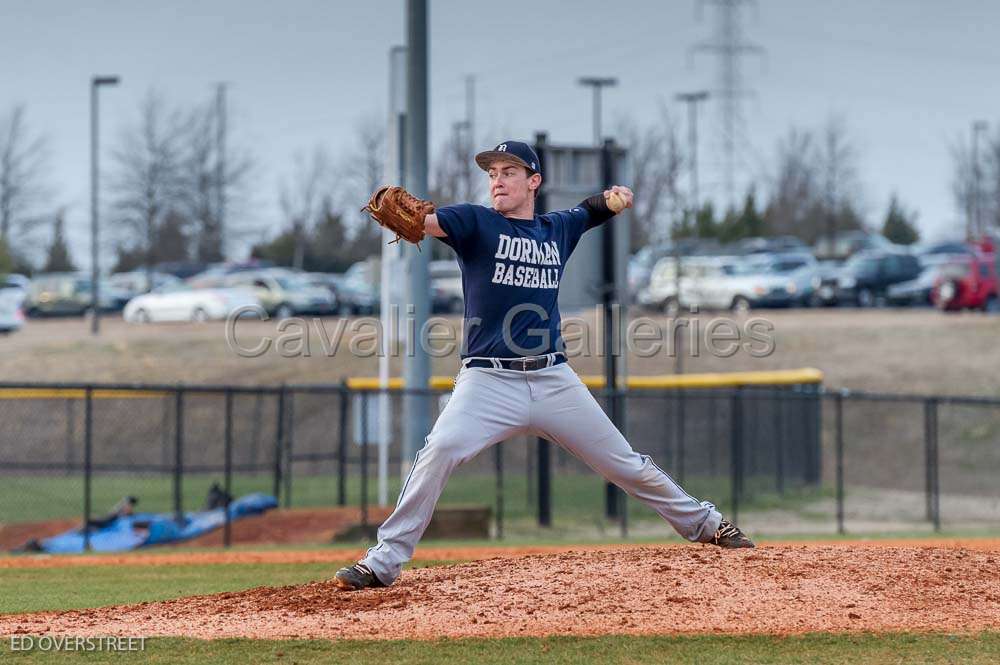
795	186
148	180
302	196
976	184
23	161
204	182
815	191
841	189
965	186
656	162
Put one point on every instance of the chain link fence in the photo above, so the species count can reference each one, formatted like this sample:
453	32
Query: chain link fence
778	459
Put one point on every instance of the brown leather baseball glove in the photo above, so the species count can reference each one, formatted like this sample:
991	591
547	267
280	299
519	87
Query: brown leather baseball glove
400	212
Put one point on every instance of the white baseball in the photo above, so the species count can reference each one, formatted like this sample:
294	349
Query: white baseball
616	202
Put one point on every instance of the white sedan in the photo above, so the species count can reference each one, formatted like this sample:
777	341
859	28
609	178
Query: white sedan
181	302
11	313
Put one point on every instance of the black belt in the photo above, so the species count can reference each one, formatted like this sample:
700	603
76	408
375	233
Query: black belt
520	364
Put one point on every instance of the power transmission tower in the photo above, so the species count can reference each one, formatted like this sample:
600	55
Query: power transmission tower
729	46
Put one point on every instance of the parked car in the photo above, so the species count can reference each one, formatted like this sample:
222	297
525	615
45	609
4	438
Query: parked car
968	282
14	281
69	294
707	284
824	284
11	300
764	280
356	296
284	293
917	292
446	287
136	282
179	301
661	292
867	276
641	265
848	243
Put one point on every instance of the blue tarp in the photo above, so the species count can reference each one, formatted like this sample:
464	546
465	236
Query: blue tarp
143	529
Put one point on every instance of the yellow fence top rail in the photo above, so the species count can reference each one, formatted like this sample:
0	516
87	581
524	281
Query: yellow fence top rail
783	377
76	393
660	382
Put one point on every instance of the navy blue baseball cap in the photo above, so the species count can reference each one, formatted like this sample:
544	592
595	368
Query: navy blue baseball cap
511	151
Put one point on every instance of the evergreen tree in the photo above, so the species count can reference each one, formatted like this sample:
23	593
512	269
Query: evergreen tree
898	226
172	240
751	220
58	258
280	250
6	260
705	224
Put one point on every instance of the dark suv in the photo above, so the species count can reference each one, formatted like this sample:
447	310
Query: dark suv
868	275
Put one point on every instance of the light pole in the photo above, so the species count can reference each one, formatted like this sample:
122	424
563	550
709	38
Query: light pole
95	273
597	83
691	99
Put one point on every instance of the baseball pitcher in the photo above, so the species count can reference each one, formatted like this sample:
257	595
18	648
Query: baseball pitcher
514	378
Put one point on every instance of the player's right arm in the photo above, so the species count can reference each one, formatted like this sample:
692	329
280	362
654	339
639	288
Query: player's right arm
432	227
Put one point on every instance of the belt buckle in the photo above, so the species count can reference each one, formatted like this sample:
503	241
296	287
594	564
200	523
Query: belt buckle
523	362
531	364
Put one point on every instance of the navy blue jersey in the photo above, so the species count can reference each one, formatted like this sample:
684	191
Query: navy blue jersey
511	269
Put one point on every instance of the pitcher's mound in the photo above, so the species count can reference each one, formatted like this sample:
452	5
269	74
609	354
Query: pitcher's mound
691	589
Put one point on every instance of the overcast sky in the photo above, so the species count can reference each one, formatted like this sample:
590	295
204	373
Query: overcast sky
907	77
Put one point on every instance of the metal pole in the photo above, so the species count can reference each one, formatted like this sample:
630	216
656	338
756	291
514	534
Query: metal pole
976	223
779	440
289	447
417	362
498	454
178	453
691	99
88	451
544	483
470	116
596	84
70	427
735	451
389	292
597	115
220	167
681	406
931	447
613	496
342	447
364	463
839	402
95	272
279	443
95	318
228	467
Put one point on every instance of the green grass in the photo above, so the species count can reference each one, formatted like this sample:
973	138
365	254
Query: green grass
913	649
40	589
577	497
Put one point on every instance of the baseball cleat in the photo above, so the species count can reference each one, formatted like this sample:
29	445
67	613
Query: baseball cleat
358	576
729	537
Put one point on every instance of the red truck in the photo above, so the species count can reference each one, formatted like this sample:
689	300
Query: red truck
969	282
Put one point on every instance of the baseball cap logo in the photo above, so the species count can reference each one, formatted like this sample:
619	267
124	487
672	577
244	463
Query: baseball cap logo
516	152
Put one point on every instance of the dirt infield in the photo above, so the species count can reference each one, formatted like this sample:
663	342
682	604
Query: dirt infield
778	589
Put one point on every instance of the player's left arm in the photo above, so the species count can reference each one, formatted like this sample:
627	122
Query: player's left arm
602	207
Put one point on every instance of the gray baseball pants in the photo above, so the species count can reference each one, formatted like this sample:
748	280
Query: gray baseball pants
491	405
